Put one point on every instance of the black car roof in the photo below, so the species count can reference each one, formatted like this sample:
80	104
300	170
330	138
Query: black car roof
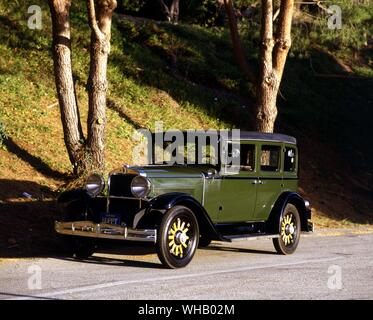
252	135
244	135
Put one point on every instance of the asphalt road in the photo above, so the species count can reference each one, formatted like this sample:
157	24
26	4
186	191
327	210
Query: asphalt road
323	267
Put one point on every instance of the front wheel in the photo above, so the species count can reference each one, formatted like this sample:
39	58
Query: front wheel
78	247
178	237
289	230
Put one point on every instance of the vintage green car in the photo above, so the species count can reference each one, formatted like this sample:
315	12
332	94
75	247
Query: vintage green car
185	205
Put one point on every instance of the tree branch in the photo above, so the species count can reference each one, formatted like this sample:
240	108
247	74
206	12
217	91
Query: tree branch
283	36
267	35
236	42
93	20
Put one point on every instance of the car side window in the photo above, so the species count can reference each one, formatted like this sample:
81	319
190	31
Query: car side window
244	155
290	160
270	158
247	157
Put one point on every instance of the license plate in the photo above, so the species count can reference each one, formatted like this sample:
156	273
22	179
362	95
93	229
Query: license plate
110	218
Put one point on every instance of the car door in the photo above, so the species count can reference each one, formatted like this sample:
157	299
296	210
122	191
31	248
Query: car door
270	183
238	185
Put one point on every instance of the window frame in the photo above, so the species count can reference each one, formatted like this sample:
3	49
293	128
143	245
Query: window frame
294	173
281	159
241	173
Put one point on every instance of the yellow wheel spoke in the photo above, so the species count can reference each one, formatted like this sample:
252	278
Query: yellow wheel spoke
173	228
178	228
173	248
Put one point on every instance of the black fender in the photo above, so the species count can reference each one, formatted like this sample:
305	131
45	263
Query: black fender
279	206
73	204
79	194
164	202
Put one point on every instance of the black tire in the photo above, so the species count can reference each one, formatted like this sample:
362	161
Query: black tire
289	230
78	247
204	242
178	236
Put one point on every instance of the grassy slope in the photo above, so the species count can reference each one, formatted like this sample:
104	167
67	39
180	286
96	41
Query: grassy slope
186	77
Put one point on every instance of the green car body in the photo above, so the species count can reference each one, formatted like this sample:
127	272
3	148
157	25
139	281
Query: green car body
249	201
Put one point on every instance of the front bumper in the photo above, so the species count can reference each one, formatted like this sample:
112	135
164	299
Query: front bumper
105	231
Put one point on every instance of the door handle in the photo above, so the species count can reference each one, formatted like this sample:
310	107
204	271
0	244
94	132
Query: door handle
254	182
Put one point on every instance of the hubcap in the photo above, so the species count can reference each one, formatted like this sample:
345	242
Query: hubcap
288	230
178	237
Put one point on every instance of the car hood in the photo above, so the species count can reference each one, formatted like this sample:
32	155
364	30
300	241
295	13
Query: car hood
175	171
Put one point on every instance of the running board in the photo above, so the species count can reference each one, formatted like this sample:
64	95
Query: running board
250	236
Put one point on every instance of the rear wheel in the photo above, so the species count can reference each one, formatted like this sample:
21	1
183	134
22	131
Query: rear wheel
289	230
178	237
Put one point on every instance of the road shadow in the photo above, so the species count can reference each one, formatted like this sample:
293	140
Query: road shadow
236	250
24	296
119	262
26	222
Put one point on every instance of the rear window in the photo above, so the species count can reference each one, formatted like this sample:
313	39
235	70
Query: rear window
270	158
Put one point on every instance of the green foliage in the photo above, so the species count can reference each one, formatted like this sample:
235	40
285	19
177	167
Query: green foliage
356	28
131	5
184	75
202	12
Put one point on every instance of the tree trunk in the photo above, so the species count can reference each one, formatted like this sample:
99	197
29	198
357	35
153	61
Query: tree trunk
85	155
100	23
61	49
174	11
272	62
236	42
273	54
267	88
165	11
283	36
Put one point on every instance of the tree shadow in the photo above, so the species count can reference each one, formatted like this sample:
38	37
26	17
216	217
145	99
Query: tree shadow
111	104
37	163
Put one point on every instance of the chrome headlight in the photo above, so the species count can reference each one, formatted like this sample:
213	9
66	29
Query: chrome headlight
94	184
140	187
